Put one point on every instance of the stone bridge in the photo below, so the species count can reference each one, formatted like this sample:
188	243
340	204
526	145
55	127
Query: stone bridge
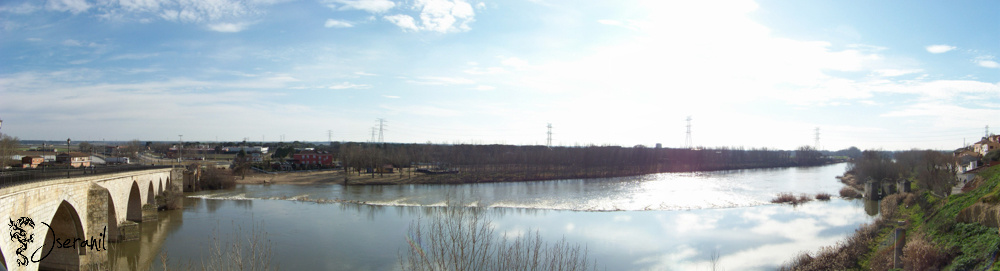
75	218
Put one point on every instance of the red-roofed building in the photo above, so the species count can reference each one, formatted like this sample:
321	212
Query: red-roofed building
313	158
31	161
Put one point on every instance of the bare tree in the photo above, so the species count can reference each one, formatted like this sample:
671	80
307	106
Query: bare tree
85	147
8	147
132	149
241	164
464	239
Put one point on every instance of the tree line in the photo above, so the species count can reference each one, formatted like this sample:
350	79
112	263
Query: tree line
589	161
930	170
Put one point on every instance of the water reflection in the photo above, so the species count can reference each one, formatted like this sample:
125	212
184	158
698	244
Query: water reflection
664	191
310	236
342	235
145	252
871	207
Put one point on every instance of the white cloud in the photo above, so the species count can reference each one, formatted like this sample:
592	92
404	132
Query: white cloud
72	42
480	71
403	21
610	22
441	80
228	27
445	16
364	74
690	222
484	88
136	104
373	6
282	78
348	85
617	23
390	96
23	8
423	110
337	23
141	5
73	6
896	72
442	16
216	15
133	56
988	64
939	48
517	63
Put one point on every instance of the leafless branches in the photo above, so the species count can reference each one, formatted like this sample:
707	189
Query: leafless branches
464	239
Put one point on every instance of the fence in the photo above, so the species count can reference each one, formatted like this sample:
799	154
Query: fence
23	176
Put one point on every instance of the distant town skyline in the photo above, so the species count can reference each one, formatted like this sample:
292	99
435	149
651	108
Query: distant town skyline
888	75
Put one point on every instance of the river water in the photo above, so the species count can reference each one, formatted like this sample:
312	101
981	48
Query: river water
651	222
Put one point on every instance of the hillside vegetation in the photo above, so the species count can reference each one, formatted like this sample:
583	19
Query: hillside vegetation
957	232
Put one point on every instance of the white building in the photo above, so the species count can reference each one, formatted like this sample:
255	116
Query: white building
257	149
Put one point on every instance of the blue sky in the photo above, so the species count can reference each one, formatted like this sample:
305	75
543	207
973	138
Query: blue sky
885	74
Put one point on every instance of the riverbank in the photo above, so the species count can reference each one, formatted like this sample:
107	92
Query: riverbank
958	232
410	176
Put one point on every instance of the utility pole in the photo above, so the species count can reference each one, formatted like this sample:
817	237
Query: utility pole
548	140
817	139
687	139
329	136
987	131
373	136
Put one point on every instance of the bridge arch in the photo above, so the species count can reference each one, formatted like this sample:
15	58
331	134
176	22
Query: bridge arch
112	219
159	187
150	195
65	225
134	211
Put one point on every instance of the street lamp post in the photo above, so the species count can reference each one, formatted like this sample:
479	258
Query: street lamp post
69	163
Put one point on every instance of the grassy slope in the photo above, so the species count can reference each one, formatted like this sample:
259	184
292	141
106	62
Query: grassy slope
978	244
972	246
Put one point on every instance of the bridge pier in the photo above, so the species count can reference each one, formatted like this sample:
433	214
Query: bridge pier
149	212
